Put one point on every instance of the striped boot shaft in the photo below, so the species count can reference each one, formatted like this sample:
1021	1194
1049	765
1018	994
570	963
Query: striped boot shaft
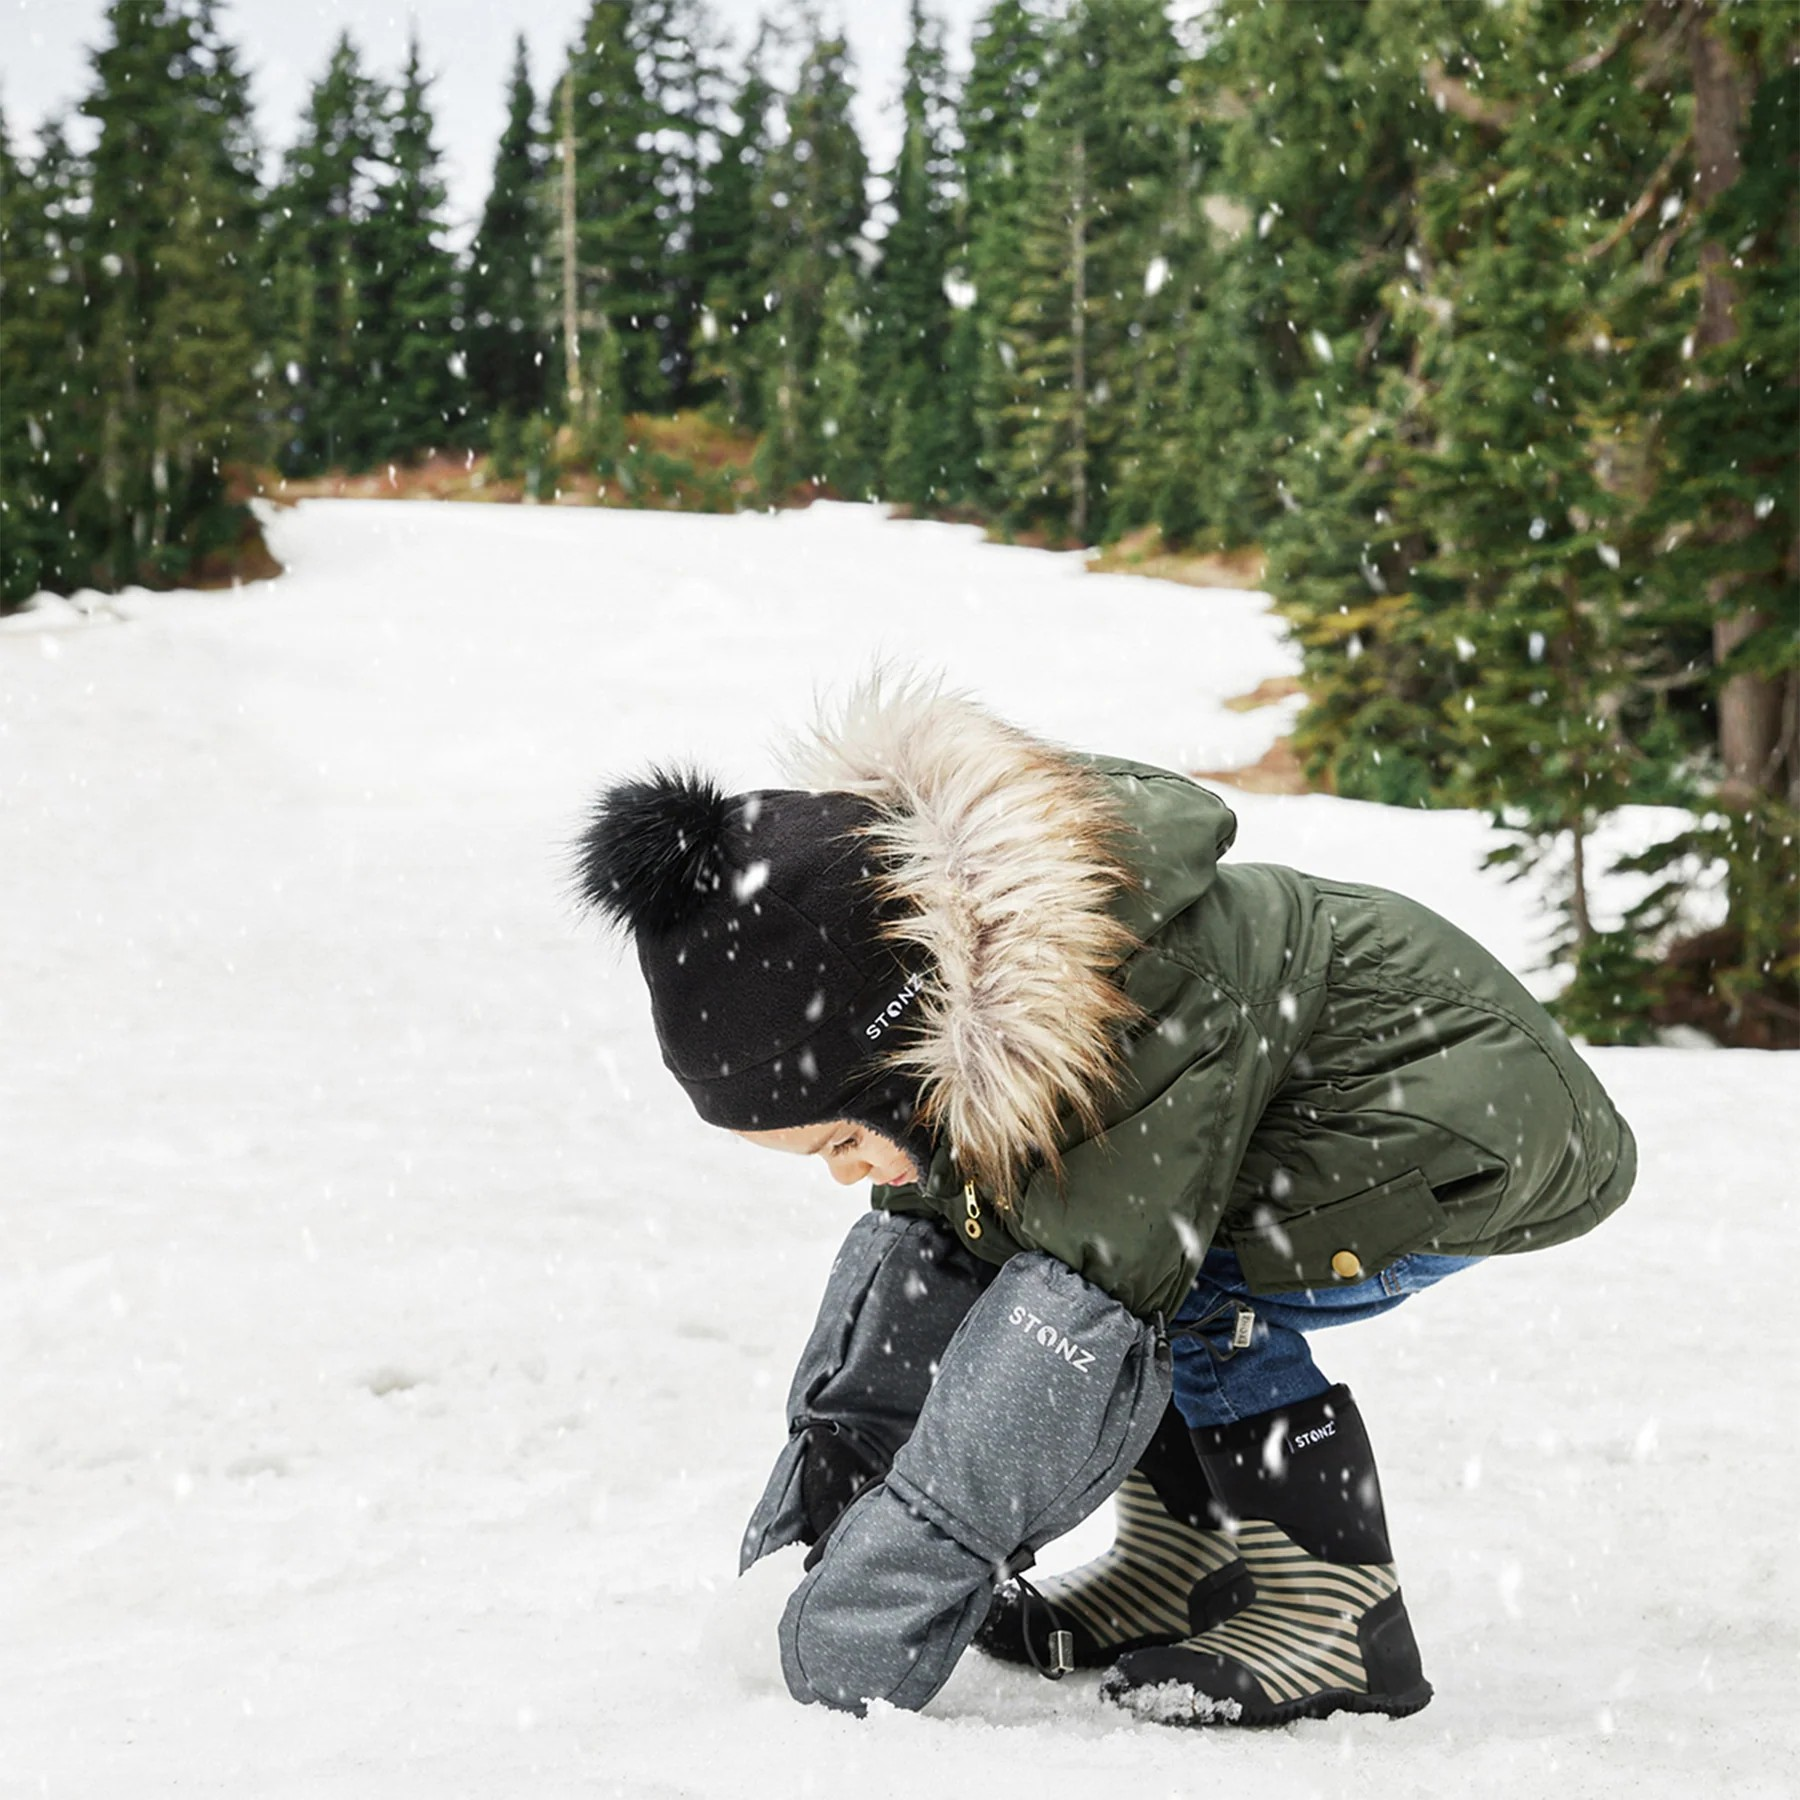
1326	1628
1300	1649
1159	1582
1139	1589
1299	1634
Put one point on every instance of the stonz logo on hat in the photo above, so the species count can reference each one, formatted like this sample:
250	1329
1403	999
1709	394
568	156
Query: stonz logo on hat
915	985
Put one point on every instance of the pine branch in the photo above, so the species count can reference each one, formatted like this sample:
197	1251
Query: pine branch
1672	683
1221	106
1642	204
1598	59
1458	98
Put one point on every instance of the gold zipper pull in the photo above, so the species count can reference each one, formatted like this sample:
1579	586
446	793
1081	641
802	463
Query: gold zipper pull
972	1206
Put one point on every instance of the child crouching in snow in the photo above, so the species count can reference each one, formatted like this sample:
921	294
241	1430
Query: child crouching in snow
1139	1120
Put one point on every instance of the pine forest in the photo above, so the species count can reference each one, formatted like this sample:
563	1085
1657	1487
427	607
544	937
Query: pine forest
1476	323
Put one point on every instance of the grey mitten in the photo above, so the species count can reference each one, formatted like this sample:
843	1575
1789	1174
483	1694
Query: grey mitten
897	1291
1046	1397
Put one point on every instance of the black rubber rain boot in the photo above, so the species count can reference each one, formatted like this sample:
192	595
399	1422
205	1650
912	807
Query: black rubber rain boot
1327	1629
1170	1572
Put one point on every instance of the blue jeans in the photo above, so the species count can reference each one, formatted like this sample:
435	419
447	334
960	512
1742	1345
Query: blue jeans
1220	1377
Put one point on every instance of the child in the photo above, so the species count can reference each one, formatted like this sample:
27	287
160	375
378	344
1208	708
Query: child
1138	1119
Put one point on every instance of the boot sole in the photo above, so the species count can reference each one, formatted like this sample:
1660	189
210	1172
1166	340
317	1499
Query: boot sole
1213	1712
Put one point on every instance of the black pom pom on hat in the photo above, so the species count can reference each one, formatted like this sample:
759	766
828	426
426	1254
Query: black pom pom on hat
762	931
654	850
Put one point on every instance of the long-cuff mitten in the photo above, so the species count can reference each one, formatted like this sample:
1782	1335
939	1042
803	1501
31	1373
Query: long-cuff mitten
1045	1400
1327	1630
897	1292
1169	1574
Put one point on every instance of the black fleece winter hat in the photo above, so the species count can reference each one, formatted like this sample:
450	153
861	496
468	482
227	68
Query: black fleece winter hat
760	930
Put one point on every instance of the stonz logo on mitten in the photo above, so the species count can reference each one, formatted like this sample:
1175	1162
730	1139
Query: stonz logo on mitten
1057	1342
1305	1440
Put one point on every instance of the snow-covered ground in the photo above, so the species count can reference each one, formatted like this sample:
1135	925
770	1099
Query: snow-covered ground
388	1360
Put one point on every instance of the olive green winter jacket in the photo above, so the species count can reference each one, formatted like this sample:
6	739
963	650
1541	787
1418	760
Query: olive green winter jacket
1319	1076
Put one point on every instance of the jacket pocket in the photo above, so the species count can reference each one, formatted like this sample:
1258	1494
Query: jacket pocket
1348	1240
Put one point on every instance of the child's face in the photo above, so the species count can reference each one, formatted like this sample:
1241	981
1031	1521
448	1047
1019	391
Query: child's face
852	1152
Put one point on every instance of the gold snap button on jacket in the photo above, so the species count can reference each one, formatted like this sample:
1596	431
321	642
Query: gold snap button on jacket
1346	1264
972	1227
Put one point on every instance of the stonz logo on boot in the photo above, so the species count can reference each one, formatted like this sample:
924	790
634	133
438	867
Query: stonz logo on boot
1305	1440
1058	1343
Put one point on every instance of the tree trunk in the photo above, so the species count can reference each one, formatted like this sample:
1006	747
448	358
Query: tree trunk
1565	657
1752	708
1078	485
570	273
1790	723
1581	919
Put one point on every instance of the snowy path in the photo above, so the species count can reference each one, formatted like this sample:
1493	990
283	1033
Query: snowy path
388	1361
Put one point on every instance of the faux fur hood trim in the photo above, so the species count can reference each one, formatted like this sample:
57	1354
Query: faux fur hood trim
1003	854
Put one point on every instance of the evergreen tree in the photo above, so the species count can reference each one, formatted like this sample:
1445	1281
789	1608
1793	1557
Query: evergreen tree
1500	531
325	272
683	83
1044	448
1322	121
812	205
723	248
25	523
172	358
1009	52
1308	392
607	132
504	289
847	452
1098	151
908	343
1159	470
1729	500
963	476
1724	509
45	400
411	320
1506	559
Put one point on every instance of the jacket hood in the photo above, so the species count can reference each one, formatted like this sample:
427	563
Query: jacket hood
1003	854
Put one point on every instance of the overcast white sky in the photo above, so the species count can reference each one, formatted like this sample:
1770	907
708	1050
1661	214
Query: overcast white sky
45	46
